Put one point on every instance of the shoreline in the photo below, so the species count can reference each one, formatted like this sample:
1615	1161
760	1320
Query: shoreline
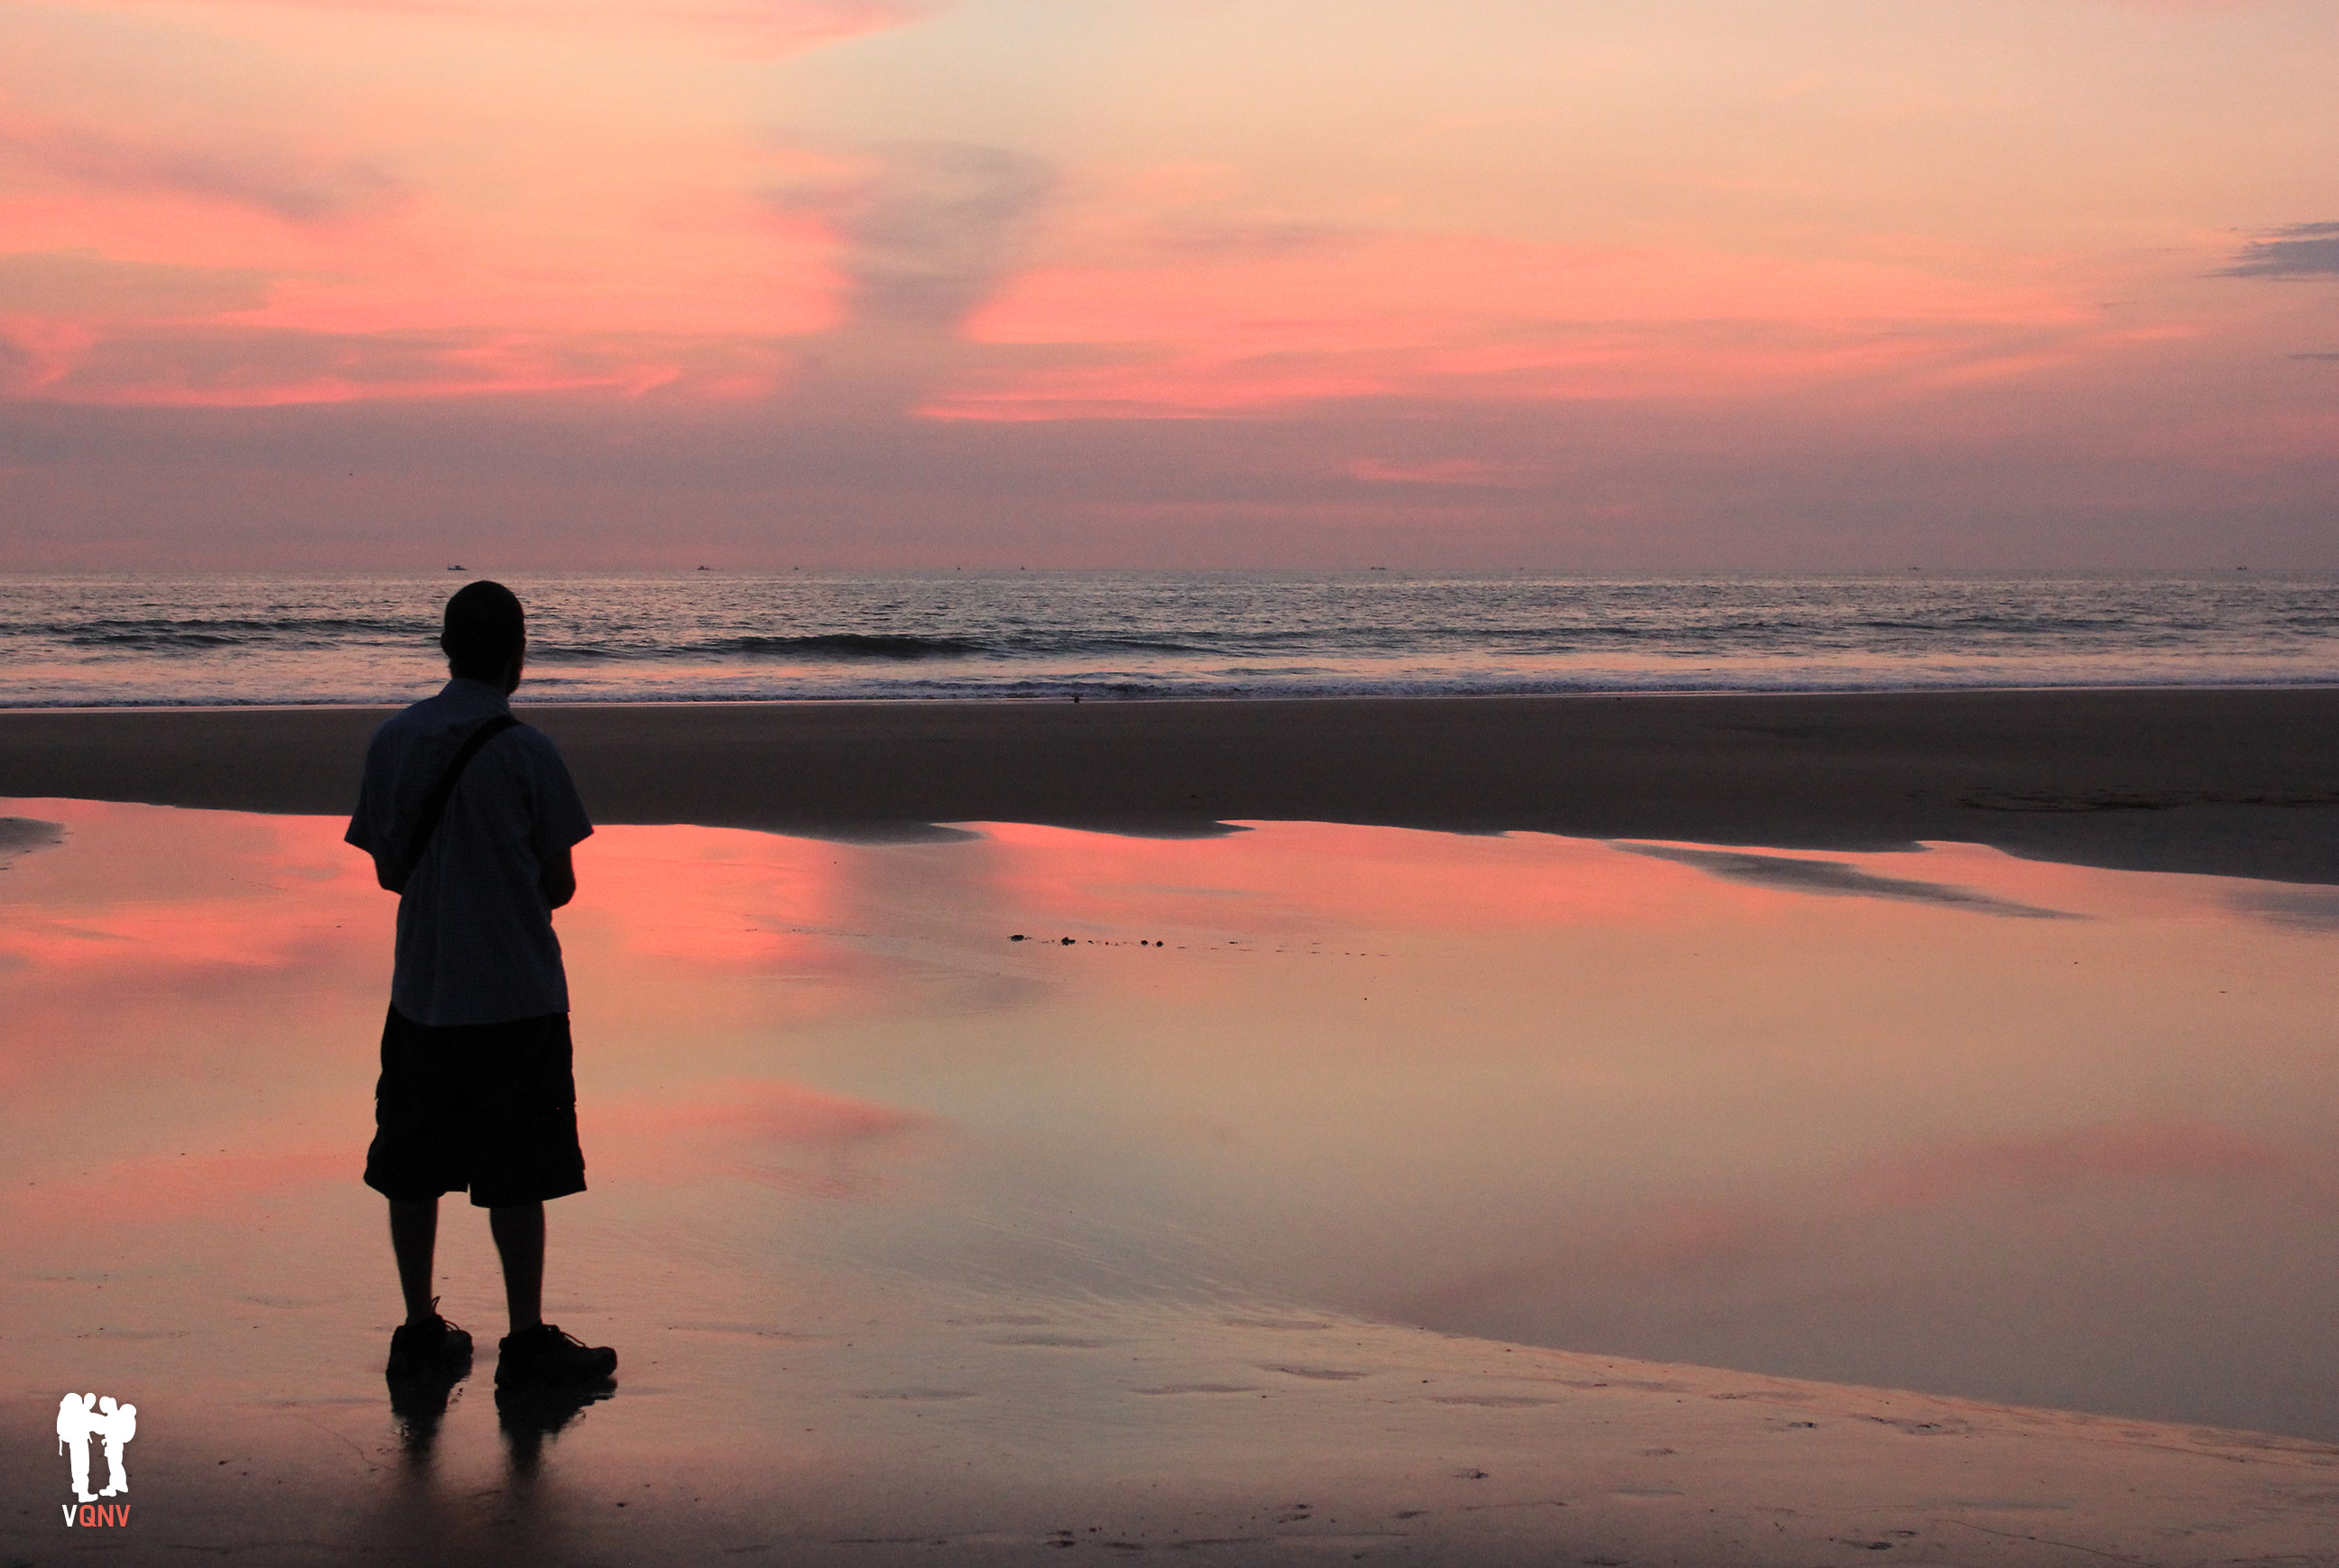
527	702
2237	781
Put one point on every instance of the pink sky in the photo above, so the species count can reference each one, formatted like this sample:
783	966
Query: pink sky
1690	283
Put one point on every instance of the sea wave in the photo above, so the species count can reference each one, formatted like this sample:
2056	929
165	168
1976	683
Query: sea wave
166	635
1231	687
1690	630
863	648
153	641
843	645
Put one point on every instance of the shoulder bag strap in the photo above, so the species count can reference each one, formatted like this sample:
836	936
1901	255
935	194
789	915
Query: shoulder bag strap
434	805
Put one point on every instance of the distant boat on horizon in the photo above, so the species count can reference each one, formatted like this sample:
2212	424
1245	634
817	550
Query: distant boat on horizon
454	568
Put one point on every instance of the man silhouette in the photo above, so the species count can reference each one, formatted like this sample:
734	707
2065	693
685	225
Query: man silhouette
118	1424
75	1421
470	816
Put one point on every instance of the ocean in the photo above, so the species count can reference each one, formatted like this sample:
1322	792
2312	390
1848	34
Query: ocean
109	641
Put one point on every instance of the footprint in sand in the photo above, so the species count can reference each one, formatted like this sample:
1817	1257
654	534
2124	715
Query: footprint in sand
1199	1388
1319	1374
1005	1320
1946	1428
747	1330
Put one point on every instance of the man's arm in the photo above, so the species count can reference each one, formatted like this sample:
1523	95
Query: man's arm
365	832
557	874
558	820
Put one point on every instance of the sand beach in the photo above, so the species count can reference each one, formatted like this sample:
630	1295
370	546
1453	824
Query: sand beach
1325	1176
2235	781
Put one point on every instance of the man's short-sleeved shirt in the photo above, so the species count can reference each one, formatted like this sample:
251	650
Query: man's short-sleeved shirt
474	943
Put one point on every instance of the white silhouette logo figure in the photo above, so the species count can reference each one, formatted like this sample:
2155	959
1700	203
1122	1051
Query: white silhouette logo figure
82	1416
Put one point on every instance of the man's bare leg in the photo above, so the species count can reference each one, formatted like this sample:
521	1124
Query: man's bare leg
519	1230
414	1238
537	1355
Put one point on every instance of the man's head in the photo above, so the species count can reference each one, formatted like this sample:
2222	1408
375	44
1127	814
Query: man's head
485	636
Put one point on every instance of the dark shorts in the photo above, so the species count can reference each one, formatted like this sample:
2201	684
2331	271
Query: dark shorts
492	1106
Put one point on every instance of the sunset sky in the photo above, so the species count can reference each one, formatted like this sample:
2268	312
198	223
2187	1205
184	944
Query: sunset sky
1707	284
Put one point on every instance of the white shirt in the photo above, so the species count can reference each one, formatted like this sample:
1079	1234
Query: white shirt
474	943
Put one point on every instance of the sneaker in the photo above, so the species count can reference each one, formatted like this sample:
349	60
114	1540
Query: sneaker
544	1356
418	1350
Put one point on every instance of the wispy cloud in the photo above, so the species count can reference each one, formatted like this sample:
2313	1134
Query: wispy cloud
1460	471
1454	316
201	365
87	286
765	26
929	231
284	185
1245	241
2300	250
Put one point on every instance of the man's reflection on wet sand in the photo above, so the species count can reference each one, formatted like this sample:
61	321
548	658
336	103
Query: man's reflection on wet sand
431	1514
529	1418
418	1408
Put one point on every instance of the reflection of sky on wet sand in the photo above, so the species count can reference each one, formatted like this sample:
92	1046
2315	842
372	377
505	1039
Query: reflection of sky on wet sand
1667	1105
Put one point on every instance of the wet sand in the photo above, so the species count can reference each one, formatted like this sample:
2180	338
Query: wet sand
2238	783
1118	1436
921	1244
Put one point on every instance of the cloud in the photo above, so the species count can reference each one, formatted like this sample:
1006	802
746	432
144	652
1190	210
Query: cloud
764	26
1462	472
203	364
1828	876
85	286
20	368
2316	356
930	232
295	189
2301	251
1240	242
1308	316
